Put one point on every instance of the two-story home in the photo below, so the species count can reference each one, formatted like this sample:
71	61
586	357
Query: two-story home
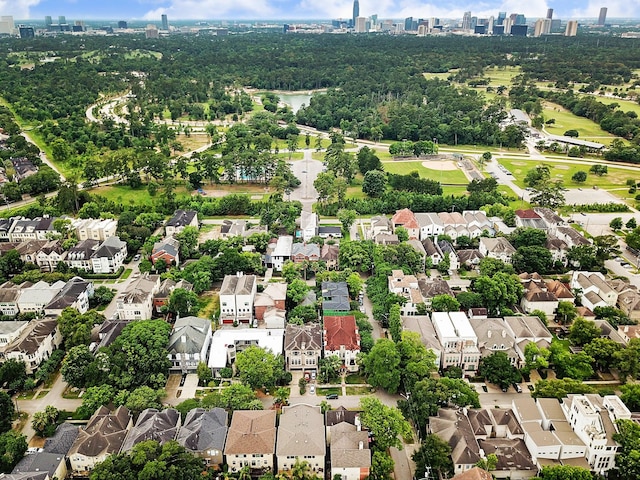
9	295
274	296
431	225
308	225
498	248
180	220
35	343
136	302
527	329
335	297
39	228
49	255
305	252
237	296
277	254
95	229
103	436
406	286
478	223
168	285
251	441
432	251
79	256
109	256
459	341
379	225
329	254
342	338
227	343
570	236
153	424
350	454
302	347
594	290
494	336
529	219
168	250
189	344
9	331
301	437
406	219
204	434
449	252
75	294
35	297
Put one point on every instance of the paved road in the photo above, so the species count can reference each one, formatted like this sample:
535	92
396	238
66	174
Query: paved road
307	171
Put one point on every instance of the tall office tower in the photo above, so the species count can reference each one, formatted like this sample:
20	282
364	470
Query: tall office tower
602	18
474	23
549	13
572	29
508	23
501	17
374	20
490	25
62	20
151	32
408	23
542	27
466	21
48	22
356	12
26	32
361	24
165	22
122	24
7	26
520	19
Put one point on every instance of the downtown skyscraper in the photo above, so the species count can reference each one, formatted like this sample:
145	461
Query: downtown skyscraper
356	12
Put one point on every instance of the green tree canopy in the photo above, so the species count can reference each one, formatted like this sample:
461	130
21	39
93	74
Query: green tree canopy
386	424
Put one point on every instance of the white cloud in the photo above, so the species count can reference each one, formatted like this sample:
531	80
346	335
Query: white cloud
615	9
19	9
202	9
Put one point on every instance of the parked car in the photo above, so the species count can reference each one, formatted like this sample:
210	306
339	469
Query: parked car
517	387
136	257
312	389
332	396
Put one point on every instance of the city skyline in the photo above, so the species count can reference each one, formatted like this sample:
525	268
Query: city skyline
307	9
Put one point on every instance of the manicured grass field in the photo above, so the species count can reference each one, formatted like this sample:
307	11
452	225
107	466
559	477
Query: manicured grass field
128	196
501	76
565	120
615	180
625	105
455	177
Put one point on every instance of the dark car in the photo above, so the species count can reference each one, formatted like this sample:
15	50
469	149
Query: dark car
332	396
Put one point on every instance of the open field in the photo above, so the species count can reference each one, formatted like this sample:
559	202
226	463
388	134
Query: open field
565	120
625	105
614	181
501	76
129	196
455	176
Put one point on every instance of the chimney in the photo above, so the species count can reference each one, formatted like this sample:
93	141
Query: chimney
303	346
489	334
184	338
504	334
358	424
360	445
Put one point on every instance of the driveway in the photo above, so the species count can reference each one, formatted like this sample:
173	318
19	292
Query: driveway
306	170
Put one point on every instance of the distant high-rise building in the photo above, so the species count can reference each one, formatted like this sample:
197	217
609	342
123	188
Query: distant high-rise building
408	23
26	32
122	24
361	25
572	29
48	22
501	18
507	24
165	22
519	30
549	13
520	20
490	25
474	23
466	21
602	18
152	32
556	25
62	20
7	26
542	27
356	12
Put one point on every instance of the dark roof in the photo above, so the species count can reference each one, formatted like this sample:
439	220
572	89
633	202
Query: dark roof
29	343
309	335
62	440
104	434
204	430
181	218
432	287
83	250
110	247
69	294
339	415
159	425
109	331
39	462
335	296
327	230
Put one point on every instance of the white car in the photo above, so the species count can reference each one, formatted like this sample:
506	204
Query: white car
312	389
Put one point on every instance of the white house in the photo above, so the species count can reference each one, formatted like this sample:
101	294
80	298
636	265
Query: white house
109	256
136	302
594	290
459	341
431	225
189	343
281	252
38	295
498	248
180	220
35	343
237	296
75	294
406	286
301	436
226	343
95	229
308	225
342	338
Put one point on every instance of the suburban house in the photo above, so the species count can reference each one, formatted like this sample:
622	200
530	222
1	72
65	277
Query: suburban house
537	296
9	331
23	167
350	454
168	285
79	256
226	343
498	247
308	225
274	295
189	343
35	297
240	228
251	441
431	225
558	249
180	220
459	341
432	251
448	251
302	347
25	229
470	257
494	336
92	229
528	329
168	250
627	332
153	424
136	302
421	324
109	256
75	294
341	338
103	436
9	295
108	332
379	225
33	465
628	298
407	287
478	223
279	252
49	255
549	217
329	231
237	296
406	219
329	254
570	236
35	344
301	437
305	252
335	297
335	416
431	287
594	290
28	250
529	219
204	434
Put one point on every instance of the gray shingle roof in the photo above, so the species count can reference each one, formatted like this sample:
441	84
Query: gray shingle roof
194	330
161	426
204	430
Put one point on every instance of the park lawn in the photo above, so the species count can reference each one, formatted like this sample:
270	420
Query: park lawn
126	195
625	105
294	156
192	142
439	76
565	120
449	177
616	178
501	75
355	192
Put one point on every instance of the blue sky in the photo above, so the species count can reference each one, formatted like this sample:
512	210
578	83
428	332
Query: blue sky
292	9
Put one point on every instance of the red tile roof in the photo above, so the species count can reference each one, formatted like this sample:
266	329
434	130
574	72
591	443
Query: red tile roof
341	331
406	218
527	214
